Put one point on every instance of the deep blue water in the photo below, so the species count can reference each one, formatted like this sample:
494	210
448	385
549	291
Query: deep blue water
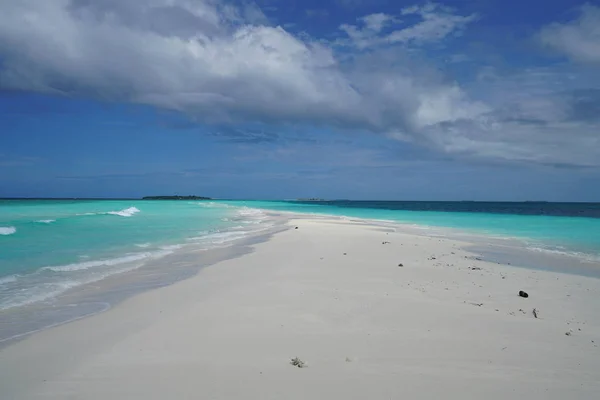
589	210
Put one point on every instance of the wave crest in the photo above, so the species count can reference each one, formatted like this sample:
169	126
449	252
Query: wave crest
7	230
108	262
127	212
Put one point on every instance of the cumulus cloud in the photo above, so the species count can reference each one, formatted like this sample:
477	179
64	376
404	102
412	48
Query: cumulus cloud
436	23
577	39
204	58
201	57
224	63
536	116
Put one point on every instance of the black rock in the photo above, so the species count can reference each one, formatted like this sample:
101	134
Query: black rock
401	265
523	294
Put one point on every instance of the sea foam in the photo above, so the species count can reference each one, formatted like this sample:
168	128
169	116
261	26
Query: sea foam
107	263
31	295
128	212
8	279
49	282
563	252
7	230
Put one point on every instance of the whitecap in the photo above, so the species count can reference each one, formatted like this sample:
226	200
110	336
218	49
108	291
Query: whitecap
7	230
46	221
128	212
49	282
109	262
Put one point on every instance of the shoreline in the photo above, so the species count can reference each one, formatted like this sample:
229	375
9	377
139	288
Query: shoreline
90	299
463	233
333	294
93	298
508	250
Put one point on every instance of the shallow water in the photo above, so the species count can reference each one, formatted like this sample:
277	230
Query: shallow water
63	260
49	247
570	228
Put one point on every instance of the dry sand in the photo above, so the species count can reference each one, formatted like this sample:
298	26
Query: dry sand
332	294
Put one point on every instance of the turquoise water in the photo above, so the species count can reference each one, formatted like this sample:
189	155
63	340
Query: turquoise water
48	247
577	234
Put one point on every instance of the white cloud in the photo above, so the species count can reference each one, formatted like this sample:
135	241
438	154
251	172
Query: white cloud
376	22
193	56
199	57
578	39
538	116
220	63
437	22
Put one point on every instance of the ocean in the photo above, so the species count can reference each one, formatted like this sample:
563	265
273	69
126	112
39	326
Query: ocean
49	247
570	227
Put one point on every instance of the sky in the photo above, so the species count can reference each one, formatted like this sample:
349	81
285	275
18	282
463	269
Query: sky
280	99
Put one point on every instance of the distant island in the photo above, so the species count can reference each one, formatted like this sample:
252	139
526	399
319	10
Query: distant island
311	199
176	198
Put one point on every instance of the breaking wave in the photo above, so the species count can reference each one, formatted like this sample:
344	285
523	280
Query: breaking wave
128	212
7	230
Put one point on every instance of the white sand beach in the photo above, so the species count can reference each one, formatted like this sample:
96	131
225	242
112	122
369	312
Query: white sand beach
441	326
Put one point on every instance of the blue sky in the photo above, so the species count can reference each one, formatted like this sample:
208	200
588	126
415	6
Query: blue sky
461	100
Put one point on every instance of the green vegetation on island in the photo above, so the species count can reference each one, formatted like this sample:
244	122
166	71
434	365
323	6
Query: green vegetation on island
176	198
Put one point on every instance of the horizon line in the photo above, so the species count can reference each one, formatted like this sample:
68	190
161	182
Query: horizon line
305	200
